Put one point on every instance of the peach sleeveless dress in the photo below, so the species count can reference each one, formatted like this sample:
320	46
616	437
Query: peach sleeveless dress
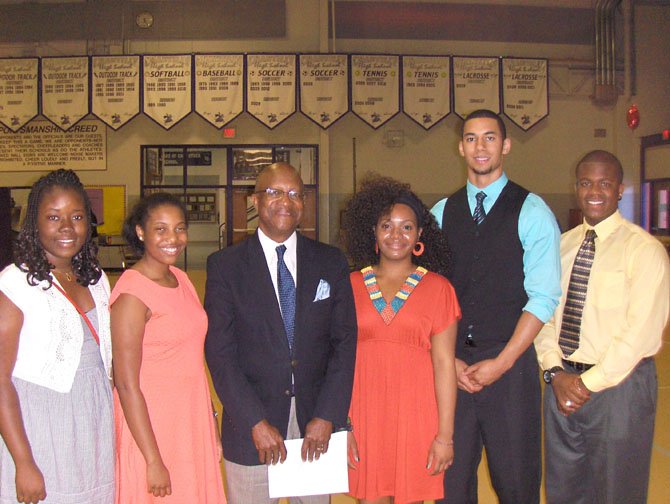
174	383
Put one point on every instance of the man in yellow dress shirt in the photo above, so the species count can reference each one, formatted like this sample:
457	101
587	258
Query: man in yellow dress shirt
600	399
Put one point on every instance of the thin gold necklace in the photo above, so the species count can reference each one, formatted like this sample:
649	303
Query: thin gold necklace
68	276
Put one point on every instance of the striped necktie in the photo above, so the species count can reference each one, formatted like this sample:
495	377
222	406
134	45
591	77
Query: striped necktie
574	303
480	213
286	288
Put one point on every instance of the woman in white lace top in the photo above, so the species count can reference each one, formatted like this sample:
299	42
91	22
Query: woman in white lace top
56	418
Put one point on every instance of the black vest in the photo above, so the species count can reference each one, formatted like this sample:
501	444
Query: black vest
487	269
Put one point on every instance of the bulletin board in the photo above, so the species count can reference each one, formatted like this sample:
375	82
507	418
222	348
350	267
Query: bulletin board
113	208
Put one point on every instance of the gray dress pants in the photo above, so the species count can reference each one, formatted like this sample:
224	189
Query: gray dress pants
601	454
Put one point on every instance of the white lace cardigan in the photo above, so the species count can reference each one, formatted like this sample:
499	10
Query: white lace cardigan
52	334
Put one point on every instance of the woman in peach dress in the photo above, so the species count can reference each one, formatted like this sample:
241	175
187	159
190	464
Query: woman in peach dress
168	449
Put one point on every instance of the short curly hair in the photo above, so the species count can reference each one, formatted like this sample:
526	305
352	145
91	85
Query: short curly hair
29	255
140	213
374	199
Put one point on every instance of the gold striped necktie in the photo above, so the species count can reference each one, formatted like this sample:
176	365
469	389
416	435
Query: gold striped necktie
574	303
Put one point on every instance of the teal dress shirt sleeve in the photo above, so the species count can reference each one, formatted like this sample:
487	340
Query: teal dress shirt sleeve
540	239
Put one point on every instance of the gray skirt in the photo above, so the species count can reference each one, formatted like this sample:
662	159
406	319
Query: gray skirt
71	435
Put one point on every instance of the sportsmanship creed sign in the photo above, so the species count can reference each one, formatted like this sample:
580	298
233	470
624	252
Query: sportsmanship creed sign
116	89
167	88
525	91
219	87
65	90
476	85
41	145
271	86
375	88
426	97
18	91
324	87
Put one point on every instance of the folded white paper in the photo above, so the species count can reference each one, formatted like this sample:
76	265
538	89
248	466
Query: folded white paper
295	478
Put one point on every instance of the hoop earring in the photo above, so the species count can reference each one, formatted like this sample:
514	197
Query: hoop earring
418	249
376	248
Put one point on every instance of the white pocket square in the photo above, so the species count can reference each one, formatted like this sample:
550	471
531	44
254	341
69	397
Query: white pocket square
322	291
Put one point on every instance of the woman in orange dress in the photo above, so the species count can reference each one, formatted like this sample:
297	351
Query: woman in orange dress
404	396
168	449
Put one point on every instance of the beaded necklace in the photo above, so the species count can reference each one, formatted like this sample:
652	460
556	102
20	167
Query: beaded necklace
389	310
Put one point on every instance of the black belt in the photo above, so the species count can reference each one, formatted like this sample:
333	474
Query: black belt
581	367
578	366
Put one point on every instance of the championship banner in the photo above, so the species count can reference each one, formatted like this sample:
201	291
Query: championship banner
375	88
167	88
219	87
271	87
65	90
116	89
525	91
426	93
324	87
18	91
476	85
42	146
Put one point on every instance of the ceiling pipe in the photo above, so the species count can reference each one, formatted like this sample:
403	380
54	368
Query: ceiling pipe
605	72
607	45
612	44
598	42
627	49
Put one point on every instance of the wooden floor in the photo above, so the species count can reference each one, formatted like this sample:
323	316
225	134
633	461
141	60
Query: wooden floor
660	462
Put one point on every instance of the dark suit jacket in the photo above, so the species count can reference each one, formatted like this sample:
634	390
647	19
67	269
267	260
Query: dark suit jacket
247	350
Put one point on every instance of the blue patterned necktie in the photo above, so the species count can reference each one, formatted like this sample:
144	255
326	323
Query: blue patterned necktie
480	213
286	287
568	340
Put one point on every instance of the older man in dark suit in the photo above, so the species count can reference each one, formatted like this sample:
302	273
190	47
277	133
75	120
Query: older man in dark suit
281	342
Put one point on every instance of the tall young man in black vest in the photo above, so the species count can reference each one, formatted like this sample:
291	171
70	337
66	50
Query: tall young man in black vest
506	272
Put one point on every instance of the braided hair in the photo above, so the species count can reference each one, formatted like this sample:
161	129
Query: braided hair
374	199
29	254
